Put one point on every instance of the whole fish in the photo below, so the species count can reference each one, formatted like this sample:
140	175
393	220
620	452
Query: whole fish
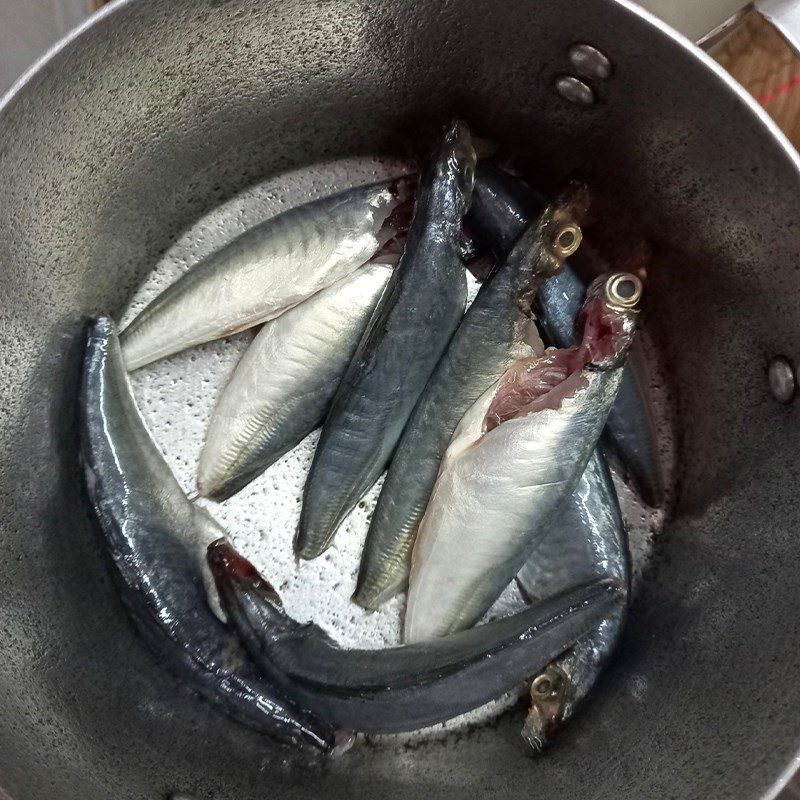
400	688
585	541
156	539
497	329
284	383
501	206
267	270
587	537
407	334
516	455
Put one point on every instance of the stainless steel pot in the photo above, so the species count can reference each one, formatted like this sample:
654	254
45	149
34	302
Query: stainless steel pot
155	112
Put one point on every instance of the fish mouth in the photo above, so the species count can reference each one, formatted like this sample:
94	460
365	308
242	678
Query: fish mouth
609	318
231	570
542	723
404	188
602	329
458	151
458	140
549	692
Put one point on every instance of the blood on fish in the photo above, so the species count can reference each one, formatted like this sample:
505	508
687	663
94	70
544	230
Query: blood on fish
602	329
399	219
534	384
225	561
392	234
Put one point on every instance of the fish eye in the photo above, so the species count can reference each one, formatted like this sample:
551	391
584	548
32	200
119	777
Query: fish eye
624	290
568	239
467	177
547	684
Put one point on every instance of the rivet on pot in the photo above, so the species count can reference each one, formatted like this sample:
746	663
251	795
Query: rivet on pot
589	62
575	90
782	379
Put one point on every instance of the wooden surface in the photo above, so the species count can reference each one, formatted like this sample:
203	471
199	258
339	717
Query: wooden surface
791	792
759	58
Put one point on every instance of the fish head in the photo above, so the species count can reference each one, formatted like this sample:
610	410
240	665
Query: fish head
455	165
549	241
550	695
564	216
609	317
235	575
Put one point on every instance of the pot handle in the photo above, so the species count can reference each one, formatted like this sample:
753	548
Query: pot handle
785	16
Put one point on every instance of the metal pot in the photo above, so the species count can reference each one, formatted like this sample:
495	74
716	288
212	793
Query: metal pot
155	112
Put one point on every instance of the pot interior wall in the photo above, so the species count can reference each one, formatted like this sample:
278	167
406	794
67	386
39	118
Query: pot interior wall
157	113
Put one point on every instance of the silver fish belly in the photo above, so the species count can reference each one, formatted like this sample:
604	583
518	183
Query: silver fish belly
408	333
262	273
156	538
585	540
494	497
283	385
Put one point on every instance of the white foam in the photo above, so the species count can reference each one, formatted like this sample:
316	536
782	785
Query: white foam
177	395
